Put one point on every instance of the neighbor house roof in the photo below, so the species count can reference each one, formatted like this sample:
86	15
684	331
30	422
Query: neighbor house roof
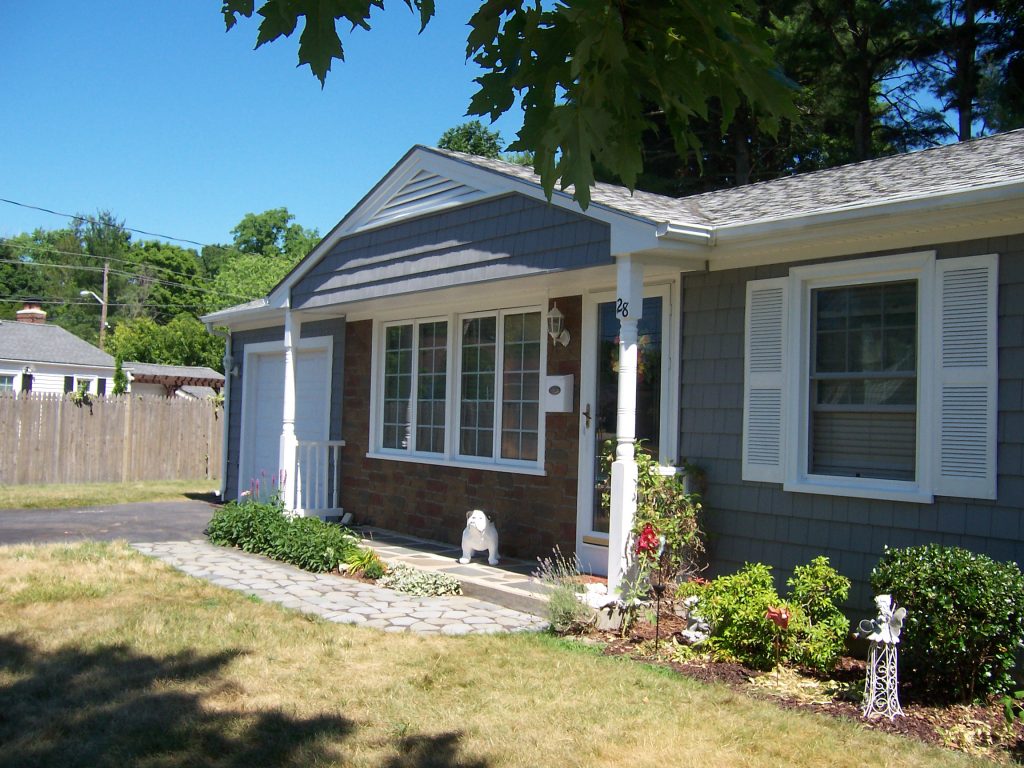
46	343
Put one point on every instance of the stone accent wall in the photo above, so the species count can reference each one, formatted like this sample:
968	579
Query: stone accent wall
533	514
750	522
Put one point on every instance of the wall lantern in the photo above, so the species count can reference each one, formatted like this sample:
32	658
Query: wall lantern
556	326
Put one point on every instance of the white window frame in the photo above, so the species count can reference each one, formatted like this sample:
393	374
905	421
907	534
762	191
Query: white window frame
957	382
918	267
413	411
452	457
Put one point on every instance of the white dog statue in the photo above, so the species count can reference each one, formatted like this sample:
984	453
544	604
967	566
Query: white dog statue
480	535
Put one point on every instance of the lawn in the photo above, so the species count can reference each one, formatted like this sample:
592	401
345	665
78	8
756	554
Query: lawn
108	659
101	494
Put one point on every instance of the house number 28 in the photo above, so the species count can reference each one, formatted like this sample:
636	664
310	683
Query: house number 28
621	308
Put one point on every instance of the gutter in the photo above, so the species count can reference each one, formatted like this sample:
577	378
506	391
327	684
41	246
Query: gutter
686	233
229	363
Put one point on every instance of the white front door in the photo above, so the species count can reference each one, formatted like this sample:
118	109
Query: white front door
263	407
655	406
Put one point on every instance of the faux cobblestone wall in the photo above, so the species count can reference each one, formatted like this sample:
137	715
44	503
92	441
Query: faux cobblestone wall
533	514
751	522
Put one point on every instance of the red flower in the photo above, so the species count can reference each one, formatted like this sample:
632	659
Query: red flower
648	540
778	616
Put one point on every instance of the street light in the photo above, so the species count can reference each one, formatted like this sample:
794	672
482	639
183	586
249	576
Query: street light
103	313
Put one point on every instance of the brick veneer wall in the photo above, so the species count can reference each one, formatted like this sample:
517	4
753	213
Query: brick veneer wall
533	514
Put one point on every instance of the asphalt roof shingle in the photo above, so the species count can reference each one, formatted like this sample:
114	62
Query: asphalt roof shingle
46	343
950	168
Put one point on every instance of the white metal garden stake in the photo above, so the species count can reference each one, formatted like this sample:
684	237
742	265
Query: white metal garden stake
881	688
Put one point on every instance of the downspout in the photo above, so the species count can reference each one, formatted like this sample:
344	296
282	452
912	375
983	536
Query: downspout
229	363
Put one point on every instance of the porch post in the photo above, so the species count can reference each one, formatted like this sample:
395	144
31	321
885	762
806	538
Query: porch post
629	310
289	443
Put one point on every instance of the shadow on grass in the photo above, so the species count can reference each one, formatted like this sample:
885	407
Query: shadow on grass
112	706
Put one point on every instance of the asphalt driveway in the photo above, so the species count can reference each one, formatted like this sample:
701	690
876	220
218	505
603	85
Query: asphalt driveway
142	521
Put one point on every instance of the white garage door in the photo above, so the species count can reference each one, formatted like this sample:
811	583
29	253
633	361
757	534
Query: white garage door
263	404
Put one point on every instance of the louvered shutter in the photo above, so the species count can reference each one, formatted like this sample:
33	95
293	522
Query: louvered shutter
763	381
966	385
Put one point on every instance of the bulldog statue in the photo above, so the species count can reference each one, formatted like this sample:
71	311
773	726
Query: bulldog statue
479	535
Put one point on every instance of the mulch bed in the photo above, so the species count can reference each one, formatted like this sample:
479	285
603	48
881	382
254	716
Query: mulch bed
978	729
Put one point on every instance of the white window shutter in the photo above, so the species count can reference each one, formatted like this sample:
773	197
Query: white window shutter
967	381
764	379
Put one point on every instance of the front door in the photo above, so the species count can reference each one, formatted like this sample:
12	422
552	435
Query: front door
599	397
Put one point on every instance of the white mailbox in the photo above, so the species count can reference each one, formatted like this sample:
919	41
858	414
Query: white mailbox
558	394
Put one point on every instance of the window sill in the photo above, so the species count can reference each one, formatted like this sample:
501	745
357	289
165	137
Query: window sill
864	489
512	469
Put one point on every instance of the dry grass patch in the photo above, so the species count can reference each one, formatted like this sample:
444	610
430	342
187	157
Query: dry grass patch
60	496
107	658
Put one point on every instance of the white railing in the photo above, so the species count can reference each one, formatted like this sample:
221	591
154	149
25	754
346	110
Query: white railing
318	477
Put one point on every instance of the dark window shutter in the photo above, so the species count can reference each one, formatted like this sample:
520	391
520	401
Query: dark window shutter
26	382
101	387
69	384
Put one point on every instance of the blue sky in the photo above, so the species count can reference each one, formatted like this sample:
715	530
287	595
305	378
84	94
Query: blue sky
152	111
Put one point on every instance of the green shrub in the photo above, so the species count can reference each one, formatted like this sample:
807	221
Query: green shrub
819	590
405	578
965	619
365	561
736	606
263	527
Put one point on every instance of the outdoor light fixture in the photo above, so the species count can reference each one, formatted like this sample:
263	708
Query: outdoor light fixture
556	326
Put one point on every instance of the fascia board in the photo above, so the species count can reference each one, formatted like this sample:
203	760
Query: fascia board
840	231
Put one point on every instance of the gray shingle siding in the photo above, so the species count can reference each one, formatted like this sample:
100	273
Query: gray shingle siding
750	521
509	236
239	340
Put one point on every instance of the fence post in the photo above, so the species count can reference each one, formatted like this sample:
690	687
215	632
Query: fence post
126	442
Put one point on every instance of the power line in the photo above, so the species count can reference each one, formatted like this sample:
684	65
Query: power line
87	268
83	303
90	220
48	250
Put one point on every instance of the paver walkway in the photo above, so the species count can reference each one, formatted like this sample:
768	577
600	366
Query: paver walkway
338	599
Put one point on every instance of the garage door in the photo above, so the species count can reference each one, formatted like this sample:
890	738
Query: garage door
263	404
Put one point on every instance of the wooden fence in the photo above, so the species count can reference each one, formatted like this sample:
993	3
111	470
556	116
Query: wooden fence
50	439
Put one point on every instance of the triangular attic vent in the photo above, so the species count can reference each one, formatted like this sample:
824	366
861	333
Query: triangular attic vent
424	191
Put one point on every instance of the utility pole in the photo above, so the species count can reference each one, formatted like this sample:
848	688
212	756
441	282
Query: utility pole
103	307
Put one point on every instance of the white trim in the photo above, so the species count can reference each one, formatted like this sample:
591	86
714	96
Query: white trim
913	266
313	343
453	392
460	463
595	556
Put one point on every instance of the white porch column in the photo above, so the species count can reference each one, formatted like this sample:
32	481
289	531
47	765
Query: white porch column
289	443
629	309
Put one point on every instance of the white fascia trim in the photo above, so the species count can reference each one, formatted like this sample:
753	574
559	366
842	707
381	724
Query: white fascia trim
890	207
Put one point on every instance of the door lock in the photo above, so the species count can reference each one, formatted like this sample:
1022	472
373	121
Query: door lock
586	415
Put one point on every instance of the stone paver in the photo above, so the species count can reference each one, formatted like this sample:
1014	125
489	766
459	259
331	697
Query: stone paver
344	601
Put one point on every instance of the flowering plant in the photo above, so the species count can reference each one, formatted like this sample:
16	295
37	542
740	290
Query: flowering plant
648	541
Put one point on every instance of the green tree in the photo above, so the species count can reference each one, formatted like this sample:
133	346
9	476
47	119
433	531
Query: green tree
183	341
586	73
120	377
167	282
266	247
473	138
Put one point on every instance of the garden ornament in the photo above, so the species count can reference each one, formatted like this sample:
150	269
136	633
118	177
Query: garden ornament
480	535
881	688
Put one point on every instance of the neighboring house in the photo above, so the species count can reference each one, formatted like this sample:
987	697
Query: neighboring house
842	352
38	357
173	380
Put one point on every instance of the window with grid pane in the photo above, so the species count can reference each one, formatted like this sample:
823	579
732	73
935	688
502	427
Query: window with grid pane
398	358
476	423
6	383
431	386
520	406
863	420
